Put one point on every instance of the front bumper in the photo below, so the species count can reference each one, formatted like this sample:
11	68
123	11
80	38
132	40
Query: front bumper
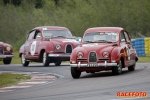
79	65
67	55
6	56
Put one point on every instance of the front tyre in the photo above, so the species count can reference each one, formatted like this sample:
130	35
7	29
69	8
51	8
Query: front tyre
75	73
45	59
24	61
118	69
7	61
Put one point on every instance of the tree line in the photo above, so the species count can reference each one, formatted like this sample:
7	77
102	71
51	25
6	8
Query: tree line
18	17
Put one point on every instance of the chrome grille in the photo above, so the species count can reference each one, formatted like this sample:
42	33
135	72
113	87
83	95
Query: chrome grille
1	50
68	49
92	57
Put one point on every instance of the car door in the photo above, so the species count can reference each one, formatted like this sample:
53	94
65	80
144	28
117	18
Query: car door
130	57
125	46
28	43
35	45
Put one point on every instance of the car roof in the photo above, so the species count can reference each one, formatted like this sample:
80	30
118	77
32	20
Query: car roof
51	28
103	29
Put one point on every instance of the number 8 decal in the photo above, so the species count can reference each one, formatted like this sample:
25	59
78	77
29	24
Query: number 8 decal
32	48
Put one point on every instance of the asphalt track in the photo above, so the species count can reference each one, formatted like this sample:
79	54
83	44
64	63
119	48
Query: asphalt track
97	86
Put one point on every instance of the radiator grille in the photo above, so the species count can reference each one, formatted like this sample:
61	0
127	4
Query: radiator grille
92	57
68	49
1	50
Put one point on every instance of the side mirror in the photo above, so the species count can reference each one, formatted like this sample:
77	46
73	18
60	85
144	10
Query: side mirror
79	39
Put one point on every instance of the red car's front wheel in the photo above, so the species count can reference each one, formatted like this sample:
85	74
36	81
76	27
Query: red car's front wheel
75	73
24	61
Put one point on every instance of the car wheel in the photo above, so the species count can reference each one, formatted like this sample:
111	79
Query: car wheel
45	59
75	73
118	69
132	68
57	63
24	61
7	61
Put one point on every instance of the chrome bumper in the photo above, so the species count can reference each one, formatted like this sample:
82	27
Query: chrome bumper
59	55
6	56
94	65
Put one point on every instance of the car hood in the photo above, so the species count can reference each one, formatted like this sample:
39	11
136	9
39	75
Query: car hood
99	48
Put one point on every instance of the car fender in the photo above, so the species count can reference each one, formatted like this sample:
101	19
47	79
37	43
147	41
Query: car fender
117	53
47	46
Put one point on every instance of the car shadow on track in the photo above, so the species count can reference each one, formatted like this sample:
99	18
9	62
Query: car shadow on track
104	74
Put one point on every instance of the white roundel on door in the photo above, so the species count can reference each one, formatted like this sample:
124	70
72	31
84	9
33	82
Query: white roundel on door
32	48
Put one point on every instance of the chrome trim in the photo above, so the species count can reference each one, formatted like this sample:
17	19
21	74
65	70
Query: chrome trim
60	55
105	63
98	65
6	56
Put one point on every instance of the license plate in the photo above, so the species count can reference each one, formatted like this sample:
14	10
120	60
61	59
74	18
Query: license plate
92	65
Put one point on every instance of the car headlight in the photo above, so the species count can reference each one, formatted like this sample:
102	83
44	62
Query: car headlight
80	54
105	54
8	48
58	46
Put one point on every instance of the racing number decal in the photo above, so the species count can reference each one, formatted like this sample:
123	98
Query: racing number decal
128	53
33	48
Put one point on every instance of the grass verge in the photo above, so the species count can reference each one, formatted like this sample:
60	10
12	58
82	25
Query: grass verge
7	79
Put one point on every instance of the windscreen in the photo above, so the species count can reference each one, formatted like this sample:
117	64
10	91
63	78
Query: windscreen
57	33
101	37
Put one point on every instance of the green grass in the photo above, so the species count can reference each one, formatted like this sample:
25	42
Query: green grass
16	59
7	79
144	59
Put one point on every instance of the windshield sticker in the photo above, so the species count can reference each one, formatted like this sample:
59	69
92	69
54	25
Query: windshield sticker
101	33
44	28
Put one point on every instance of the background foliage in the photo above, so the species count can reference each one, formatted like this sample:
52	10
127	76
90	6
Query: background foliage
18	17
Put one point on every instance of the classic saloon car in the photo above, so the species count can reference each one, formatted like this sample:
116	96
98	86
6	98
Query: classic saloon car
47	44
103	48
6	53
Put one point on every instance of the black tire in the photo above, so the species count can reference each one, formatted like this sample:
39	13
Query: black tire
24	62
45	59
118	69
132	68
75	73
58	63
7	61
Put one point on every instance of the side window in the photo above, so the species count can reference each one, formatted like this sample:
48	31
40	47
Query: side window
122	37
30	37
37	35
127	37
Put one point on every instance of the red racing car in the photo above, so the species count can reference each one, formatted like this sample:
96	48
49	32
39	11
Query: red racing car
6	53
47	44
103	48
